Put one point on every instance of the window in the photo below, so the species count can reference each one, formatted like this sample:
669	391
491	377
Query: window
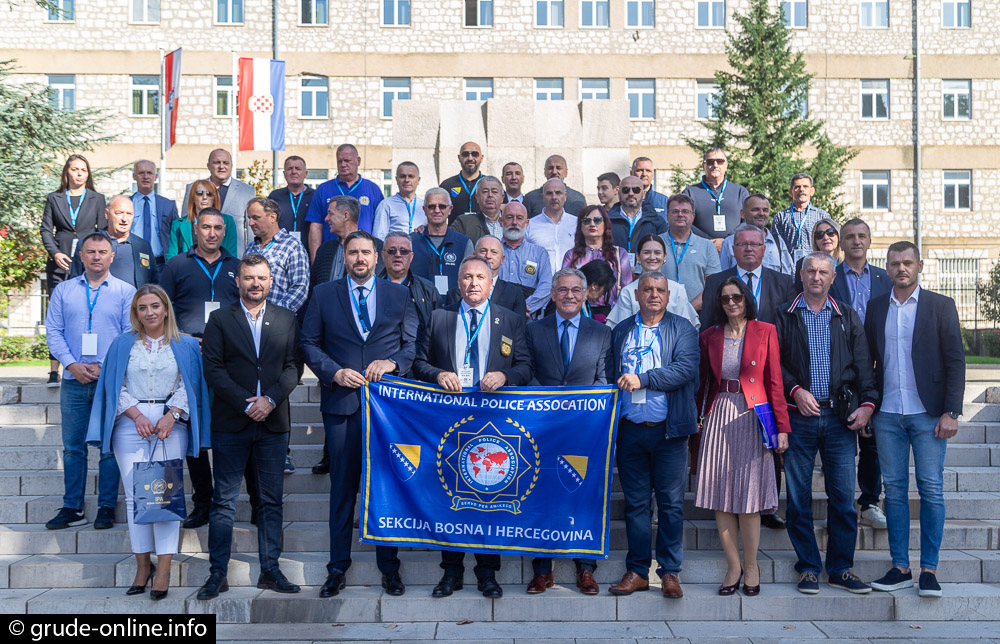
639	14
594	13
396	13
314	12
478	13
225	96
795	13
393	88
957	278
708	94
548	89
145	95
874	99
62	10
314	97
387	183
229	12
956	99
641	98
63	91
549	13
875	190
711	13
594	88
316	177
478	89
956	14
957	189
145	12
875	14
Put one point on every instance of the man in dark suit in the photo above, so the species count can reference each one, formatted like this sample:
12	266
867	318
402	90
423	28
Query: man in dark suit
486	221
153	214
502	293
249	352
568	349
233	193
133	262
487	350
916	342
357	329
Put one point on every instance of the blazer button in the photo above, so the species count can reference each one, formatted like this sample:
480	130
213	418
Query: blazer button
753	397
753	363
751	380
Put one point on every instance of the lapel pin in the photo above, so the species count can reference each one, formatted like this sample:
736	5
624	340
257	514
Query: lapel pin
496	320
267	324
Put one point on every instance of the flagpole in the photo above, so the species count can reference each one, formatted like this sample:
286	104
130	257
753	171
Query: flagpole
274	55
236	133
163	120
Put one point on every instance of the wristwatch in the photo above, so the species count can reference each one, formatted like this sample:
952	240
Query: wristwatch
176	415
954	414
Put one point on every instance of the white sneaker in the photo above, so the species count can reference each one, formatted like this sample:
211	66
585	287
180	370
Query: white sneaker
873	516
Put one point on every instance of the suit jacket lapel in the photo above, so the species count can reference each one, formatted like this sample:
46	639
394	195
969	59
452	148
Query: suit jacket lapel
241	322
494	353
552	322
921	321
715	349
265	328
380	299
348	303
752	344
582	336
451	330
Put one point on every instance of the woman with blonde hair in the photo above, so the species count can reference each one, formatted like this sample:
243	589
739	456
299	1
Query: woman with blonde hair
203	195
825	239
151	404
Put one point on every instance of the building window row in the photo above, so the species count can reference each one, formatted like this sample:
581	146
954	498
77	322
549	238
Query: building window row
956	99
956	190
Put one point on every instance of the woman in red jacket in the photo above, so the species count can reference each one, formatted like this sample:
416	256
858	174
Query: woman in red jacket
740	368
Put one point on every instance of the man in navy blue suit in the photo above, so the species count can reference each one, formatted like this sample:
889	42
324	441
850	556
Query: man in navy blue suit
357	329
153	213
568	349
133	261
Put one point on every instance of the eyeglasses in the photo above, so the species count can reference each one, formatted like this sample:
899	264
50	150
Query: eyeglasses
469	153
748	245
402	252
586	221
202	193
736	298
829	232
677	211
436	206
565	290
715	162
634	190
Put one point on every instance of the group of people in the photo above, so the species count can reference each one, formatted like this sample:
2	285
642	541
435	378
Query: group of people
188	344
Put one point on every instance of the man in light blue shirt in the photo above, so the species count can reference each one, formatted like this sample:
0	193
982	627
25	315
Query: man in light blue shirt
690	258
153	214
795	223
756	211
525	263
403	210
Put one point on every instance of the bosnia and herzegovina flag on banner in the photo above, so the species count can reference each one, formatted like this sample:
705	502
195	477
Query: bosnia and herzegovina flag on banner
520	471
261	105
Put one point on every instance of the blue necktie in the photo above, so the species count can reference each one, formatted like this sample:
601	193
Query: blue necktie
474	349
564	345
363	308
147	218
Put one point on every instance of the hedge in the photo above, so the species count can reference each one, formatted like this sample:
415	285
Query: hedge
16	347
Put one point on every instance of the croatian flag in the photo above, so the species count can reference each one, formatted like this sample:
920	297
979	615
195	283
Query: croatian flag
262	104
171	92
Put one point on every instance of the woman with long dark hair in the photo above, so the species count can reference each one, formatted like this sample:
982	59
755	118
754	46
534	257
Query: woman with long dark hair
595	242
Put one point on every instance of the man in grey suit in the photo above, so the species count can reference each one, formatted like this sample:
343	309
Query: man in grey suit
153	213
234	194
568	349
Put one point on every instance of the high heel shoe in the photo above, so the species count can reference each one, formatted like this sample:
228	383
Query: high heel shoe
725	591
157	595
138	590
751	591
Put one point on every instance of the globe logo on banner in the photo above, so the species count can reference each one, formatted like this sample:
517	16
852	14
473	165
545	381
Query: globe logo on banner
489	464
261	104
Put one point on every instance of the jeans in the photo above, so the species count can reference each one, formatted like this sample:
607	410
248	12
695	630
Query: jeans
230	452
647	458
75	401
896	435
836	445
869	473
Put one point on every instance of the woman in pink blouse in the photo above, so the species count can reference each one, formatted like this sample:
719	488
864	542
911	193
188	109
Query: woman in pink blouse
594	241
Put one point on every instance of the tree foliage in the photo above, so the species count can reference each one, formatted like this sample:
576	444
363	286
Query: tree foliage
761	117
989	295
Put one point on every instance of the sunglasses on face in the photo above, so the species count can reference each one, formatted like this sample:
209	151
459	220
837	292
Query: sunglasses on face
586	221
634	190
469	153
715	162
402	252
202	193
436	206
829	232
736	298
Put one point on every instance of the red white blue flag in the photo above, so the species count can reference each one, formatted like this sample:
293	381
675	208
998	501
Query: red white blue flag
261	108
171	92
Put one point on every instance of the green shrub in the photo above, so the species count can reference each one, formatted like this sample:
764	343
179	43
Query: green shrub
16	347
991	342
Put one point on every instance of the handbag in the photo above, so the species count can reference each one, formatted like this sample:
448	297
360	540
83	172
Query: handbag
847	403
158	489
766	426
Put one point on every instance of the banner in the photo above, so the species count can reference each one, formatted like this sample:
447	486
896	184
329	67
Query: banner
523	471
261	108
171	92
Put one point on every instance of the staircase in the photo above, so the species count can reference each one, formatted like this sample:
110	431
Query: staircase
82	570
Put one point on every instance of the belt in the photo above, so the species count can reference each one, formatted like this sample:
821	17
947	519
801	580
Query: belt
151	401
730	386
825	403
645	424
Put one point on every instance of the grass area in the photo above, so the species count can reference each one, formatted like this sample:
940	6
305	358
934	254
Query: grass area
981	360
25	363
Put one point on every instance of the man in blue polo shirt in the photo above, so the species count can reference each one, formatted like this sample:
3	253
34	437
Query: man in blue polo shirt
347	182
438	251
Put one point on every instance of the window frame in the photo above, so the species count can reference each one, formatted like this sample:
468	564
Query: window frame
640	93
700	85
395	92
146	91
946	92
59	15
145	3
312	24
312	93
793	3
595	13
59	89
863	92
711	4
606	89
956	185
230	97
229	6
549	5
874	185
874	5
479	14
955	13
638	5
395	5
562	89
315	177
466	90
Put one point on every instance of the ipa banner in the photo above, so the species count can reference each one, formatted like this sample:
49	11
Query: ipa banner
522	471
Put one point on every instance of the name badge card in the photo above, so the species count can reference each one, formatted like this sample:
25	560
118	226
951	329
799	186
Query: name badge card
296	235
465	376
639	397
209	307
719	221
441	282
89	344
72	251
635	267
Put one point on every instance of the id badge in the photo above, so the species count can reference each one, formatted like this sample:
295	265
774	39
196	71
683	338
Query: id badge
89	344
441	282
719	221
639	397
465	376
798	254
631	260
209	307
296	235
72	251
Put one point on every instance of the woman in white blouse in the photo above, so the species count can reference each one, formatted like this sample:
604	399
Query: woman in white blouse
151	391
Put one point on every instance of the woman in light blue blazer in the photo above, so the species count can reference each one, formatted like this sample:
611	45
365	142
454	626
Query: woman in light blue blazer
151	389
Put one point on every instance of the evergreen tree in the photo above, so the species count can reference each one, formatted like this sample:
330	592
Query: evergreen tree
760	117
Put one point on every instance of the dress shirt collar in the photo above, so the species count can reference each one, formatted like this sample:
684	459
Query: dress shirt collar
562	215
518	198
369	285
848	269
915	296
104	282
756	272
247	313
481	307
573	321
228	181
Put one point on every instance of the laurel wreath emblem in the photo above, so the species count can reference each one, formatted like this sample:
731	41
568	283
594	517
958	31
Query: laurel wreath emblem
518	426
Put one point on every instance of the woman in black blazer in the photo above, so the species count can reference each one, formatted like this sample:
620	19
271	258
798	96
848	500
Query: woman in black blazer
71	213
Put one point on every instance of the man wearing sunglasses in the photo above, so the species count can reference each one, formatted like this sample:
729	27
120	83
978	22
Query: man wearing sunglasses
717	201
794	224
632	218
463	186
555	168
438	250
397	256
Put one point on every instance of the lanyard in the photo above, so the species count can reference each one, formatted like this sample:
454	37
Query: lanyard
798	229
470	191
411	210
295	207
439	252
358	304
631	227
91	305
349	190
69	204
756	294
586	310
269	244
717	197
639	351
673	249
204	269
479	327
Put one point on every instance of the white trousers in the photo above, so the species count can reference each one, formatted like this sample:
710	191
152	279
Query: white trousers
129	449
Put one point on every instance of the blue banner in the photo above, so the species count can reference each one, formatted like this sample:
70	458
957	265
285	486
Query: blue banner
523	471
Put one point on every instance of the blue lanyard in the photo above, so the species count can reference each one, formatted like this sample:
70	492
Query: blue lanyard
349	190
358	304
204	269
91	305
798	229
718	198
673	249
295	207
470	191
411	209
631	227
69	204
638	351
756	294
269	244
438	252
479	327
586	310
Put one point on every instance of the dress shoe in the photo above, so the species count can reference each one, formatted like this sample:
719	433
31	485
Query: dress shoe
275	580
138	590
215	584
631	582
393	584
539	583
490	588
752	591
772	521
335	582
671	586
323	467
198	517
447	586
726	591
585	582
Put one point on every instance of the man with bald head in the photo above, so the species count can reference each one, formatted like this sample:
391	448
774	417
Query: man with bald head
525	263
234	195
475	225
153	213
632	218
555	229
463	186
133	261
555	168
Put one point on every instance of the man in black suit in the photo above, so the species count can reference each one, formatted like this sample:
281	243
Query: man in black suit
487	350
153	213
134	262
916	342
502	293
249	352
568	349
357	329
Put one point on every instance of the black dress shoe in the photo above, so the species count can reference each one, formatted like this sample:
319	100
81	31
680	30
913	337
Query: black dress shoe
215	584
138	590
275	580
323	467
490	588
447	586
393	584
772	521
157	595
335	582
198	517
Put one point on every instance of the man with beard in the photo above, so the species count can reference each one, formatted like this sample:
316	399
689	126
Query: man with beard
462	187
524	263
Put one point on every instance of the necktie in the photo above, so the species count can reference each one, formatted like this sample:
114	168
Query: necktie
147	217
749	277
474	349
564	345
363	309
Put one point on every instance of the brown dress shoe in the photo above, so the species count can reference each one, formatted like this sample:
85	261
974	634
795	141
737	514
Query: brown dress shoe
585	582
671	586
629	584
539	583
